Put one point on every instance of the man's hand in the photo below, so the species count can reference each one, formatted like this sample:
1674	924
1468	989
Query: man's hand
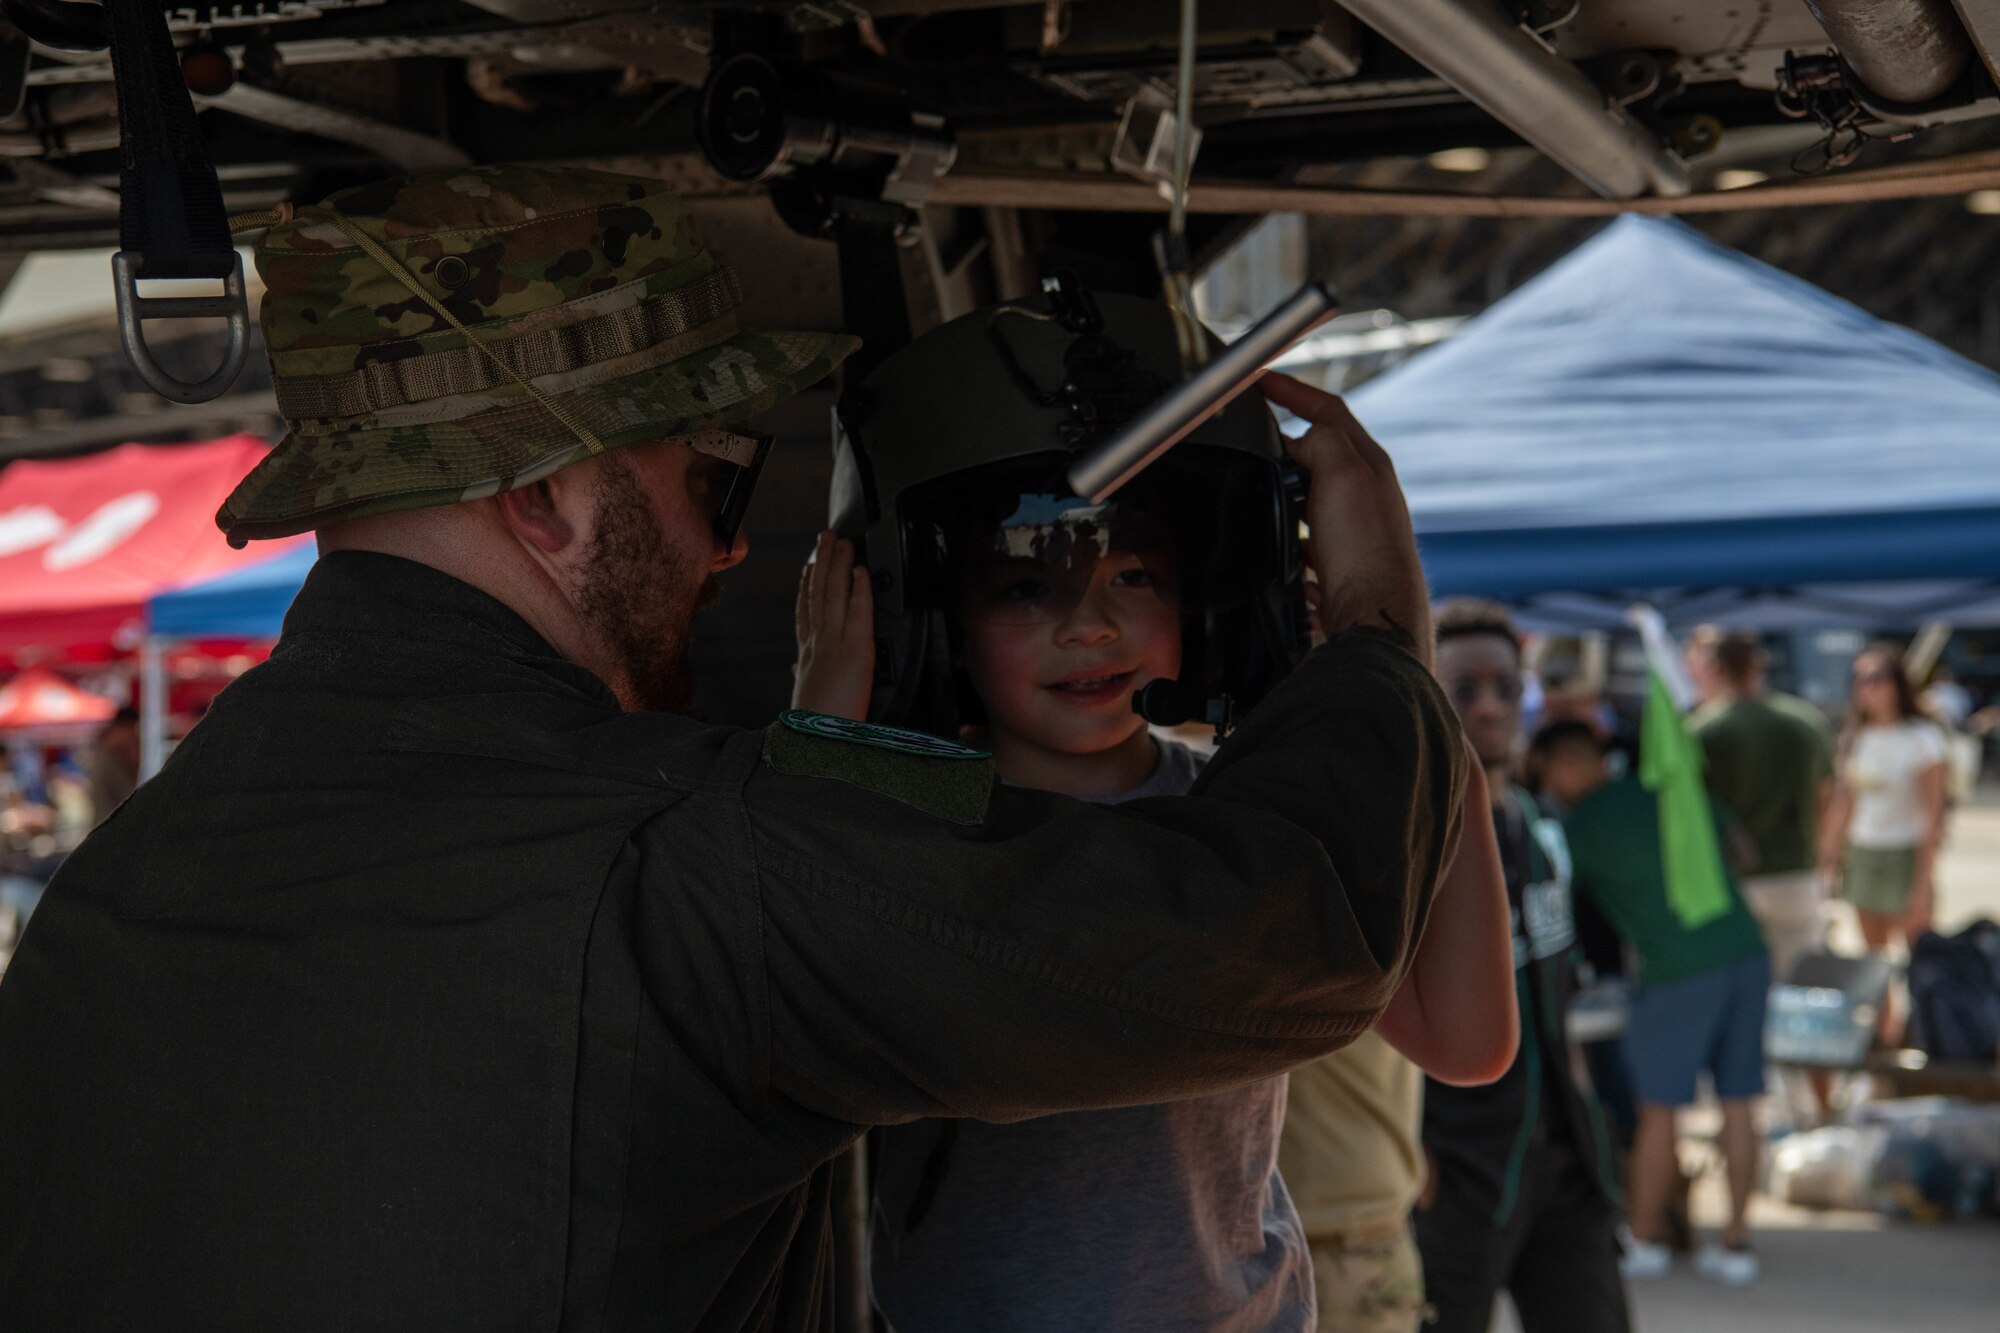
835	624
1363	550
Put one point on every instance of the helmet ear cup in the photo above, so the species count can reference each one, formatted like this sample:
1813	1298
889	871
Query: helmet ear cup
923	693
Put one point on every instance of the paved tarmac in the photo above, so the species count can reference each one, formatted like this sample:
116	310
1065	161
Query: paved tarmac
1840	1273
1847	1272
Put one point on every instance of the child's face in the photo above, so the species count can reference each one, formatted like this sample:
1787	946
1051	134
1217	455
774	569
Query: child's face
1056	656
1572	773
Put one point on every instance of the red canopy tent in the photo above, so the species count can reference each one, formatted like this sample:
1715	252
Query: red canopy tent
85	541
38	698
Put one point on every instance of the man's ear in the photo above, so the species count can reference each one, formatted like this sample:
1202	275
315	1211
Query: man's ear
534	513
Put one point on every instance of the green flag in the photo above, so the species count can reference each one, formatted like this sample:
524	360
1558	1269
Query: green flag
1670	767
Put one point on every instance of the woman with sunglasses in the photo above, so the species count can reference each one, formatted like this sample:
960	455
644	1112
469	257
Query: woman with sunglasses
1886	821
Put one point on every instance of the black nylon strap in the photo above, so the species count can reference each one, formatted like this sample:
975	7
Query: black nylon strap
170	203
872	300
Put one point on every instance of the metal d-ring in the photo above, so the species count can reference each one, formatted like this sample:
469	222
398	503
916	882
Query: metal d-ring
134	310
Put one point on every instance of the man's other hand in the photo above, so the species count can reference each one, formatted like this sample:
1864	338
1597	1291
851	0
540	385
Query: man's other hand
1363	551
835	624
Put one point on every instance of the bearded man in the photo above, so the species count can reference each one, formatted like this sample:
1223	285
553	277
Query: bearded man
447	978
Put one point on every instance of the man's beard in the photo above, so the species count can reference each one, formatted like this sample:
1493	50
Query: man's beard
638	595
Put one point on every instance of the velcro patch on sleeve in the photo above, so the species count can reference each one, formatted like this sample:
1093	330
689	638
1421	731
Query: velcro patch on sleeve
940	777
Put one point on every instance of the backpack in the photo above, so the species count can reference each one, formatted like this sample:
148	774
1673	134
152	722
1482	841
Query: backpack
1955	993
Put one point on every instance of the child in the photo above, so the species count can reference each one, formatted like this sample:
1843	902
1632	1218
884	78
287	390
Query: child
1169	1216
1699	1004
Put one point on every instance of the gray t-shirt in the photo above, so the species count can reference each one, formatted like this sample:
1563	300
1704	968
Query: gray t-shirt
1153	1218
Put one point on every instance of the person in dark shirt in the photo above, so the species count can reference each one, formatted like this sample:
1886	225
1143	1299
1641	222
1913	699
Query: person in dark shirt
114	764
1770	764
447	978
1521	1198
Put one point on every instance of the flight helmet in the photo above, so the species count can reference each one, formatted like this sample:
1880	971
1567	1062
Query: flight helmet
954	451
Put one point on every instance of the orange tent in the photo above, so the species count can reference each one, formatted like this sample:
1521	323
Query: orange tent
39	699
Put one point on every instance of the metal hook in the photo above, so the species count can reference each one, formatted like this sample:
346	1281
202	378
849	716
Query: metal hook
134	310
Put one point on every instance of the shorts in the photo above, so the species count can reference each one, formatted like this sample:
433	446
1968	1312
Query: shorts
1877	879
1789	911
1369	1283
1712	1022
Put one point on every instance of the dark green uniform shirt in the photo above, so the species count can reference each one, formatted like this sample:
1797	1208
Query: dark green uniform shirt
1765	760
425	990
1614	848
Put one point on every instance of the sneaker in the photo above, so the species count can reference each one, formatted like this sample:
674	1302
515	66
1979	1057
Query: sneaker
1727	1266
1644	1260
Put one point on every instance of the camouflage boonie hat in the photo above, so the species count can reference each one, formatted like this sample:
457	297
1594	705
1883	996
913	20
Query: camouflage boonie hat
540	314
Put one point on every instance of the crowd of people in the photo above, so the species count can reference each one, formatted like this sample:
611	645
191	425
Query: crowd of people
1798	817
50	797
449	976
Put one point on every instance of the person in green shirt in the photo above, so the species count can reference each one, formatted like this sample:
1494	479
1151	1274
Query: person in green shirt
1698	1005
1770	764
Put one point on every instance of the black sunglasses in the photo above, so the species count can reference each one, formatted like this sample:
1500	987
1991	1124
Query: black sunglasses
1507	689
744	454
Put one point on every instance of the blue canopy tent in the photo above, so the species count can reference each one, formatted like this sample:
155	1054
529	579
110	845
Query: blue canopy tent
246	603
1659	418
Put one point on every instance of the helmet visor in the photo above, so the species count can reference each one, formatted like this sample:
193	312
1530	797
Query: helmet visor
1201	528
1038	555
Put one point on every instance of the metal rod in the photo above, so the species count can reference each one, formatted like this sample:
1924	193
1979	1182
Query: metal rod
1481	50
1183	120
152	707
855	1204
1099	473
1106	192
1176	281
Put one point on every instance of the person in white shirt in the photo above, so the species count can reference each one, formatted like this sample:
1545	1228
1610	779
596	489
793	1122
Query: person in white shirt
1887	818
